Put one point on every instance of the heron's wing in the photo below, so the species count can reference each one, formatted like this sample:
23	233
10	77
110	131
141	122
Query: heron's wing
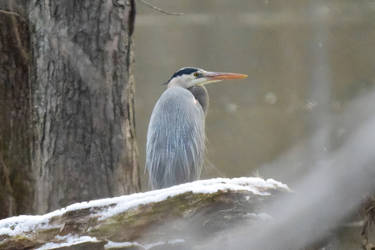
175	139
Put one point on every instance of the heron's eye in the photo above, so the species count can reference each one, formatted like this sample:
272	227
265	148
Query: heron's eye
197	74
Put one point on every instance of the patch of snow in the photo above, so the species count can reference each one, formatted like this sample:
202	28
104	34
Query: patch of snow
70	240
23	223
260	216
26	223
176	241
160	243
155	244
257	186
112	244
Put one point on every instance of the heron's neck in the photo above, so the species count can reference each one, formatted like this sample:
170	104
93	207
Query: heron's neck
200	93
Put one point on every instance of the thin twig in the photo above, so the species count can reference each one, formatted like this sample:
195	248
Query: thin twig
150	5
9	12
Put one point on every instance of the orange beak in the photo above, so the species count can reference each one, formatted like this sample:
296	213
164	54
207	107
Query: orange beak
218	76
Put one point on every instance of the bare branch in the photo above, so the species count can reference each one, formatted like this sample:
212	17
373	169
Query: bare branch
150	5
9	13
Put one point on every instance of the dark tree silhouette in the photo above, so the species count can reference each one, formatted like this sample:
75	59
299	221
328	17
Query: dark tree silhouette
67	103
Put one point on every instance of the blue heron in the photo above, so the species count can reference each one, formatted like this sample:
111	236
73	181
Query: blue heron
175	146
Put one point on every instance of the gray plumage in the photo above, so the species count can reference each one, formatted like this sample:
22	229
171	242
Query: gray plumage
200	93
175	145
176	137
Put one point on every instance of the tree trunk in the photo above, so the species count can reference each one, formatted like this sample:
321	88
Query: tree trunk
79	102
16	179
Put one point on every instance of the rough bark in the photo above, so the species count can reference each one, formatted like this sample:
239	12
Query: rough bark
190	213
16	179
84	146
75	89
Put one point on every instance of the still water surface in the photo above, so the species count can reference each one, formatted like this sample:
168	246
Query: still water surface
306	60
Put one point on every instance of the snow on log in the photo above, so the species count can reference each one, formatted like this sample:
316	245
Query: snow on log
170	216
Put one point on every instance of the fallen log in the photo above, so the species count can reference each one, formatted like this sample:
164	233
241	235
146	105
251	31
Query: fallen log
160	219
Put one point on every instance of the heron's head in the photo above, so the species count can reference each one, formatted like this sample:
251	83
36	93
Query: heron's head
189	77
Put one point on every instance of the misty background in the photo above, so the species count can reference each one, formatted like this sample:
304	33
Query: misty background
306	61
304	116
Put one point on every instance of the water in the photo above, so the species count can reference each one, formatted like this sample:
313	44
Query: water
306	60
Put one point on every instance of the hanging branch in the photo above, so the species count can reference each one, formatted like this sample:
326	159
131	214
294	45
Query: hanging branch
158	9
